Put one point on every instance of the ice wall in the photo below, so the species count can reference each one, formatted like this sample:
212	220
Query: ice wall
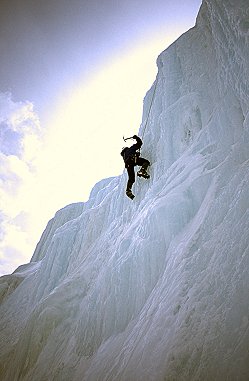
154	289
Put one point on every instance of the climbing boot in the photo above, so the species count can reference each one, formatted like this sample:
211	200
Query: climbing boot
130	194
143	173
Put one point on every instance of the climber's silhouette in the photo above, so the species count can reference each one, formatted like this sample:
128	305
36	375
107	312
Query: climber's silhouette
131	159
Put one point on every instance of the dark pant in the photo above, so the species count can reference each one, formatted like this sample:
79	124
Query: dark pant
131	172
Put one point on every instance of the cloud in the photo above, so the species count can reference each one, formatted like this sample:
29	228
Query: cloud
19	127
20	139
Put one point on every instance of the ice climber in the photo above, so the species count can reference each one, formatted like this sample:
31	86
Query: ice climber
131	159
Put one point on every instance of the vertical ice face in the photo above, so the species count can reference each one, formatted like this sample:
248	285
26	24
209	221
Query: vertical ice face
156	288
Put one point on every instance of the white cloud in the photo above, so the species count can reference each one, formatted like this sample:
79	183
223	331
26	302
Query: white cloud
19	141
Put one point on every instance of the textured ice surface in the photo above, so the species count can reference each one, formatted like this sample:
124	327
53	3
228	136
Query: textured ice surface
154	289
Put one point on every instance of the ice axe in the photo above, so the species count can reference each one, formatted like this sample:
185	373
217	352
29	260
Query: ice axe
127	138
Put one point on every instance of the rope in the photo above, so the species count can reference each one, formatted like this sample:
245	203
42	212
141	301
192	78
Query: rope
151	103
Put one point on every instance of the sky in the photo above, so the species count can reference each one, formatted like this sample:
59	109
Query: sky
73	76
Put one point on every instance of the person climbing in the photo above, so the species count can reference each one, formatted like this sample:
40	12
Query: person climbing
131	157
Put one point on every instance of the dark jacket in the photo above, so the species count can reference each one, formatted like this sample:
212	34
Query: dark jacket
129	154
